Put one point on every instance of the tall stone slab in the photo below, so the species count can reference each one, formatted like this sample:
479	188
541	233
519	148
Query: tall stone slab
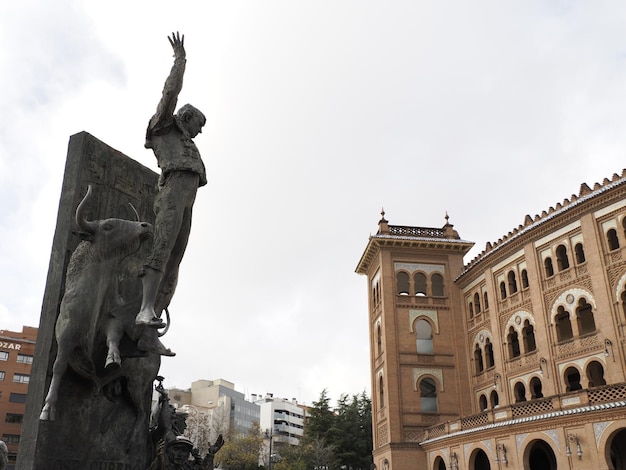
91	430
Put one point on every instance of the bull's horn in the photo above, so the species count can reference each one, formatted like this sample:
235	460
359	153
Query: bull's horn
84	224
134	212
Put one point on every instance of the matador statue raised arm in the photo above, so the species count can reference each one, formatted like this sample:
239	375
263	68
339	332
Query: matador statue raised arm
170	137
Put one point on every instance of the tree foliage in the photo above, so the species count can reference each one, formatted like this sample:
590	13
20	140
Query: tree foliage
241	450
339	438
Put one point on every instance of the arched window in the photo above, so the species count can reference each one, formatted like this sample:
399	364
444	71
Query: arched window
580	253
379	338
563	325
548	266
519	390
486	301
595	374
420	284
528	335
512	282
584	317
611	238
494	400
502	290
513	342
572	379
623	296
478	359
524	277
428	395
424	341
535	388
477	302
471	309
403	283
562	261
489	354
482	402
437	285
381	392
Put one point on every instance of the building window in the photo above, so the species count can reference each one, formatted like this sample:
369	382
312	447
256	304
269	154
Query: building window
512	282
524	277
482	402
478	360
379	338
547	263
611	238
535	388
513	341
14	418
11	438
424	341
579	251
595	374
2	374
519	390
17	397
471	310
502	290
4	356
381	392
420	284
21	378
528	335
477	302
486	301
494	399
562	261
563	325
437	285
24	358
584	317
403	283
489	353
572	379
428	395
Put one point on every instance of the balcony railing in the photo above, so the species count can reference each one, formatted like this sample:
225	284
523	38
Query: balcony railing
542	406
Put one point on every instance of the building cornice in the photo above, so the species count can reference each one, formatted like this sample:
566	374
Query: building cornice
587	200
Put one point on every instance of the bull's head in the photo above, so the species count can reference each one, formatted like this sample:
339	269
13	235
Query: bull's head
111	234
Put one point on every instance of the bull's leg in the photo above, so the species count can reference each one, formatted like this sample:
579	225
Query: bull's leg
114	331
58	369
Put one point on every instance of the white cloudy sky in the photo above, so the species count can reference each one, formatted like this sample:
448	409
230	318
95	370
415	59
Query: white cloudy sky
319	113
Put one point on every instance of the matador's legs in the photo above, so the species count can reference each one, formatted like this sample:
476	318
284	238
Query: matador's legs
173	207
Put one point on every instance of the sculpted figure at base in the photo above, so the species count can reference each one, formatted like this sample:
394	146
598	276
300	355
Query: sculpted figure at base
89	280
170	137
4	456
173	450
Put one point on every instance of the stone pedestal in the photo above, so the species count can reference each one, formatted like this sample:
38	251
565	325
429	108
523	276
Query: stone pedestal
95	428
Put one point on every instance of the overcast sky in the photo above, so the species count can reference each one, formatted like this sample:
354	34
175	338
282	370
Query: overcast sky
319	113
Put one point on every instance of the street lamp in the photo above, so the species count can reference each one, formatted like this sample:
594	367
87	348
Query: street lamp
269	434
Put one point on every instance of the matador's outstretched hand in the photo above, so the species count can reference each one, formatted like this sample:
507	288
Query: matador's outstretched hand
178	44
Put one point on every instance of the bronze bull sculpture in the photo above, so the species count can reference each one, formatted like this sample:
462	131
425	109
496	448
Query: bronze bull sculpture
90	279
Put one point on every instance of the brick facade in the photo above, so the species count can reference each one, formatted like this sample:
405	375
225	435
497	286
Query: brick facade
518	359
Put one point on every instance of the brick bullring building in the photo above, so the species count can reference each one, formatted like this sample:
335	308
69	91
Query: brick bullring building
516	359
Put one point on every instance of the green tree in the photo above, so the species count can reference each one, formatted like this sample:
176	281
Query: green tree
321	418
341	437
241	451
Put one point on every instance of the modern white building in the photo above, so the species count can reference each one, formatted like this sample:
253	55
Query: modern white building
284	418
226	409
